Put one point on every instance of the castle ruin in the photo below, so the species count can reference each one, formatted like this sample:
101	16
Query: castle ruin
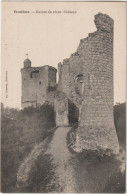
84	92
38	84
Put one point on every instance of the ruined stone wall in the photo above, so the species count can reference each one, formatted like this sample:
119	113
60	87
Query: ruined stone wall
91	87
97	51
96	127
61	109
69	70
51	88
52	77
63	82
50	97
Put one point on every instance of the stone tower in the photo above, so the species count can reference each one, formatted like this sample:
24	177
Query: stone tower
96	124
87	79
38	84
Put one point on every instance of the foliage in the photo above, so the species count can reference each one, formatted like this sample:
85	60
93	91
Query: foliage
120	123
21	130
101	173
40	176
98	174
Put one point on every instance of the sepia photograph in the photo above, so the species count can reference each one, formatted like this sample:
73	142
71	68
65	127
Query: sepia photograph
63	97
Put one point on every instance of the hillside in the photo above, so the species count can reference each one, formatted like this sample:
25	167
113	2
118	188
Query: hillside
21	130
35	150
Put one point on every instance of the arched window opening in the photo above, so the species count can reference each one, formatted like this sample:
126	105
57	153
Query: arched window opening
79	84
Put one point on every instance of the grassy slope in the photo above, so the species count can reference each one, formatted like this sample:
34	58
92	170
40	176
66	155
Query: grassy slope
97	174
21	130
102	173
93	173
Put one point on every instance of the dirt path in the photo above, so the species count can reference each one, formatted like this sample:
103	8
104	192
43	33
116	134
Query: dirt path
63	179
64	173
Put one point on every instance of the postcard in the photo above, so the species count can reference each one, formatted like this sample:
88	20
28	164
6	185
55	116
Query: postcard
63	102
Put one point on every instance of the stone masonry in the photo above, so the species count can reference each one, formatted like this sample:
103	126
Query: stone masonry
61	109
38	84
85	83
87	79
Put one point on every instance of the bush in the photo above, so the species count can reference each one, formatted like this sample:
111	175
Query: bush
21	130
120	123
98	174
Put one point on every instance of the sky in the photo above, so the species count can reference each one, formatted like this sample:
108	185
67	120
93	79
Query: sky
50	37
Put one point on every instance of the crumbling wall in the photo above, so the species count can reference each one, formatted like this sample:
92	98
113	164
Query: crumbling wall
98	88
96	127
91	69
68	71
52	77
63	82
61	109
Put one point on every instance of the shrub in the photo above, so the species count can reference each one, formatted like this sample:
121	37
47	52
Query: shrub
21	130
120	123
